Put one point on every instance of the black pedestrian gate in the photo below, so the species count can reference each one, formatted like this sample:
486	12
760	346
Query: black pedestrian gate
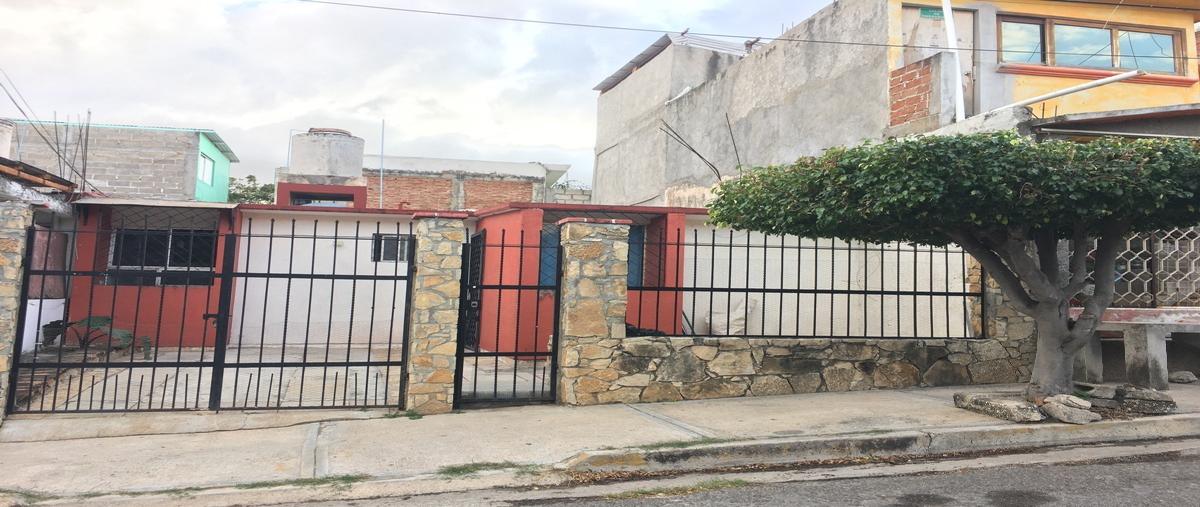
508	319
159	309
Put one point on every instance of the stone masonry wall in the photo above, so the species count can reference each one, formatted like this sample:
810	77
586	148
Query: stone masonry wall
14	218
433	336
651	369
595	265
124	162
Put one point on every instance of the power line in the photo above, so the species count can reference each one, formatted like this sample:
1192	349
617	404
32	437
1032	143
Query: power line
726	35
34	124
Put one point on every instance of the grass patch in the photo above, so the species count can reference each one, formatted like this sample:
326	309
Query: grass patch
337	481
412	414
682	444
482	466
700	487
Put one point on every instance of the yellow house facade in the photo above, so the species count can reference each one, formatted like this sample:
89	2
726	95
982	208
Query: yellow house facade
1012	50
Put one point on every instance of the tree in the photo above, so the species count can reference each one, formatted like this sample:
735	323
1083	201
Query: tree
1028	212
247	190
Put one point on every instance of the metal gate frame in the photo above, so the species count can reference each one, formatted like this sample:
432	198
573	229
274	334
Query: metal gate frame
219	362
470	317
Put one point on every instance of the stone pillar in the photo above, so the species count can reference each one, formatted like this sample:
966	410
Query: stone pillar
433	325
595	263
1146	356
15	217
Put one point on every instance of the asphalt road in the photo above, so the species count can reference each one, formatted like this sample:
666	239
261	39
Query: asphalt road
1154	480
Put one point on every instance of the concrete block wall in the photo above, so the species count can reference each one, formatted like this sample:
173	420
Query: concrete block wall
570	195
122	162
15	217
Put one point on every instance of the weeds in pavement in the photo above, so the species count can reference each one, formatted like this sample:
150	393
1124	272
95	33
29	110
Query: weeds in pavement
473	468
337	481
682	444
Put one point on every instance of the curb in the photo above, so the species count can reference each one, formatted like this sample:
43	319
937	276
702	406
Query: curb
909	443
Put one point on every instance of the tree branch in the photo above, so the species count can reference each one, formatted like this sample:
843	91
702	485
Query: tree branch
997	269
1047	250
1112	235
1078	264
1026	268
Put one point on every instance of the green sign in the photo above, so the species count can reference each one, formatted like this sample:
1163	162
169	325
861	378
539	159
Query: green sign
932	13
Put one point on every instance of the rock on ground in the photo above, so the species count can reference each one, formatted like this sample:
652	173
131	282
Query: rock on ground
1007	406
1182	377
1068	414
1070	401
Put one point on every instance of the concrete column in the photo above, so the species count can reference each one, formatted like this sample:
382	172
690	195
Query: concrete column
1146	356
595	263
15	217
433	331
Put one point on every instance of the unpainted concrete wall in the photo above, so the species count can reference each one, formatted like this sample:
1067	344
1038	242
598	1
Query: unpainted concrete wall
785	100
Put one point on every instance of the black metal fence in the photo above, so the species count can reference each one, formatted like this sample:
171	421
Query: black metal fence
508	318
711	282
156	309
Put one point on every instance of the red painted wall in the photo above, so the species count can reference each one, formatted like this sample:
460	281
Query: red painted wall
662	267
171	316
514	320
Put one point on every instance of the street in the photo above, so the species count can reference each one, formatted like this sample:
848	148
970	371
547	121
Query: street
1147	480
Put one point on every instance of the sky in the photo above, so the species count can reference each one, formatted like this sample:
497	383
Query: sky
258	71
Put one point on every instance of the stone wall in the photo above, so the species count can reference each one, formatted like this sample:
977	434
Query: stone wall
595	265
433	336
14	218
651	369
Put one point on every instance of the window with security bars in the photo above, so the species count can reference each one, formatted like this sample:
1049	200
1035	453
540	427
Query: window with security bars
390	248
163	257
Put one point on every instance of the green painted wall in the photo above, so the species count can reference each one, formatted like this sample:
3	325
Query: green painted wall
218	191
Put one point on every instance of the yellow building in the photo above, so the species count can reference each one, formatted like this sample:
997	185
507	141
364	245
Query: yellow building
1013	50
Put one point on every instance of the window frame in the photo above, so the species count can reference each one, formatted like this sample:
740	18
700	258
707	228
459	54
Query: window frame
404	248
210	167
159	272
1178	41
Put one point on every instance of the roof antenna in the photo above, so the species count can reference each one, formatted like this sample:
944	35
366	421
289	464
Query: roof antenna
685	31
751	43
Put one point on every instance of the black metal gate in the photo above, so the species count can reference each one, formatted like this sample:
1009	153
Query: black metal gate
508	320
158	309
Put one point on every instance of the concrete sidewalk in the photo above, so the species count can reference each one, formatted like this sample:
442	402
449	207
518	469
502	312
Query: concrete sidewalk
72	455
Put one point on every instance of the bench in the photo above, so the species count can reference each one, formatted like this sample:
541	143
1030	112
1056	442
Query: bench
1145	332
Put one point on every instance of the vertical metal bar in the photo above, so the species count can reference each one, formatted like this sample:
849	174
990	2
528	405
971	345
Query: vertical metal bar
799	279
353	303
312	270
557	312
499	312
695	268
262	330
946	286
158	325
411	248
187	286
371	315
224	301
832	283
287	308
983	302
520	298
18	340
464	300
762	314
329	323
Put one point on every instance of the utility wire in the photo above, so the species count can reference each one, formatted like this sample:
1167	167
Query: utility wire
723	35
34	124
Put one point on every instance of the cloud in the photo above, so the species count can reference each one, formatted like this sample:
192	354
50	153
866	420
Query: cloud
257	70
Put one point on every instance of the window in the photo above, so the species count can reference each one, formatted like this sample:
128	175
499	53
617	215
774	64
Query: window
206	169
390	248
1067	43
1082	46
323	200
1022	42
163	257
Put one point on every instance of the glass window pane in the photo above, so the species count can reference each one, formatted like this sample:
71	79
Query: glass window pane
1082	46
1022	42
1153	52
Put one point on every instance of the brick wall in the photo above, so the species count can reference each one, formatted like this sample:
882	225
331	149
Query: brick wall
122	162
447	191
483	194
911	91
412	192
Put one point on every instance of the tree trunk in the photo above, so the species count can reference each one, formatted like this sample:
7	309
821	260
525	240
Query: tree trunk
1053	365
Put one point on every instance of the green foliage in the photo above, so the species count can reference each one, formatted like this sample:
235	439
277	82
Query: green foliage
88	330
917	189
248	190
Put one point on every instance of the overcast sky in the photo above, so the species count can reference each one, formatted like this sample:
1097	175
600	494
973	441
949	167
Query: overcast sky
256	70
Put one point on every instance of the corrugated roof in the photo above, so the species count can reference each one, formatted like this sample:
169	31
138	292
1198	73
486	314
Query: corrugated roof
661	44
210	133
